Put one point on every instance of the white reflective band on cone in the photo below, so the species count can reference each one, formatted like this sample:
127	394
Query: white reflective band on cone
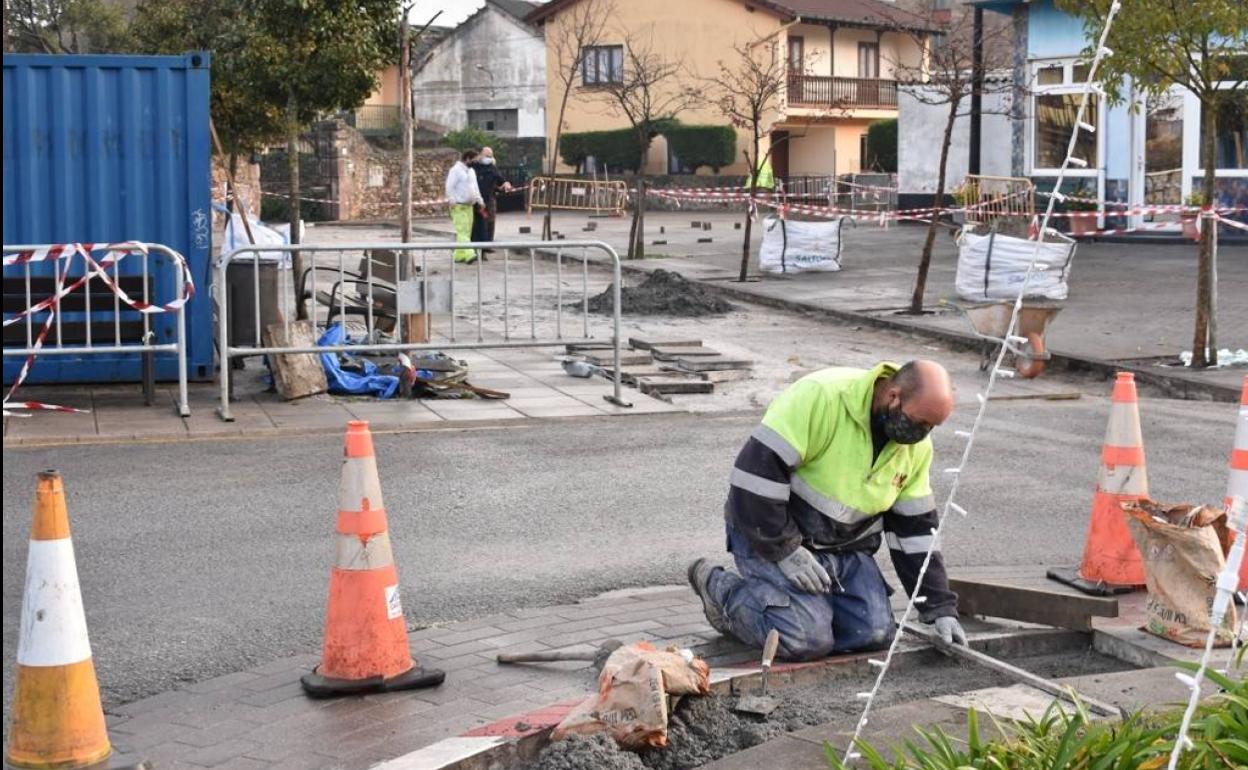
1123	480
54	626
359	483
1124	426
356	554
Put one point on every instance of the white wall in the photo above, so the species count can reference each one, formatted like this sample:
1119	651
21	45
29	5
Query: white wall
514	56
920	128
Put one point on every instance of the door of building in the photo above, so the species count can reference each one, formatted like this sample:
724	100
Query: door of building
1157	170
780	154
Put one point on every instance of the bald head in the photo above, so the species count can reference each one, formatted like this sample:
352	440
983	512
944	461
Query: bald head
921	388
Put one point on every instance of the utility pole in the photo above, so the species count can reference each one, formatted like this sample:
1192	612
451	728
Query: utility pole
405	122
977	90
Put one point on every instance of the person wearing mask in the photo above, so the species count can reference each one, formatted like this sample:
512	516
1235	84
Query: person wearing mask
839	464
490	182
465	196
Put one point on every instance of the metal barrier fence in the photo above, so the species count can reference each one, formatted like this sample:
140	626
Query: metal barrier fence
371	292
93	313
578	194
994	197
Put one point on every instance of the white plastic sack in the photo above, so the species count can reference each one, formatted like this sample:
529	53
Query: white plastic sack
999	275
263	235
800	247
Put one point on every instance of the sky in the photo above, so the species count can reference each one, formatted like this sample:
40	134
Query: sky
453	11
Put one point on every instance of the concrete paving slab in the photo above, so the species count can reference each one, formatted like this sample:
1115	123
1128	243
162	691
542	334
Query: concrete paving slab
473	409
555	412
397	414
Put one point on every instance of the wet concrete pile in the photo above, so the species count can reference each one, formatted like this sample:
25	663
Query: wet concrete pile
702	730
663	293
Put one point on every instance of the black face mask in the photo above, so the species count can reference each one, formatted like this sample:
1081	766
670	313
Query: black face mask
900	427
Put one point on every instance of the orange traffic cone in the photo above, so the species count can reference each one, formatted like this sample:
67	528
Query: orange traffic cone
1111	562
365	647
1238	484
57	719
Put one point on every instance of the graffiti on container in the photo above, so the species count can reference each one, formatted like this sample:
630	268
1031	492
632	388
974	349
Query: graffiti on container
199	226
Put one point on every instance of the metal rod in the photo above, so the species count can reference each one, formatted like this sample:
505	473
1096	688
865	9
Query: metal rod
424	296
88	274
223	338
506	295
29	316
1024	676
169	347
585	291
244	352
452	295
342	294
532	294
184	404
559	293
60	282
368	275
480	310
255	286
147	320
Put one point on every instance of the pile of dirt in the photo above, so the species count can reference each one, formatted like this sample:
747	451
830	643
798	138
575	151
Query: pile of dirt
663	293
702	730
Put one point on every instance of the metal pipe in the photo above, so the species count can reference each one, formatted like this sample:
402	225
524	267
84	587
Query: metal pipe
480	310
506	296
169	347
559	293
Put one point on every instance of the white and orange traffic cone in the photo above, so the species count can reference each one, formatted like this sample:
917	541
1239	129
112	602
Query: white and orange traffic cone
365	648
57	719
1111	562
1238	483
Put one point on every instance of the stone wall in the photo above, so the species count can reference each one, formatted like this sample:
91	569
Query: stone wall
345	178
247	180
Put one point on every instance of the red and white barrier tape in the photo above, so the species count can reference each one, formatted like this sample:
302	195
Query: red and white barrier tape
115	252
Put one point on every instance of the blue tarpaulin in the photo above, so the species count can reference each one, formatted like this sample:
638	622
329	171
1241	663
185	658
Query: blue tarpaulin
370	383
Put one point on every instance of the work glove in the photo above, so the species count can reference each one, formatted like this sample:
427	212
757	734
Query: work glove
804	571
951	630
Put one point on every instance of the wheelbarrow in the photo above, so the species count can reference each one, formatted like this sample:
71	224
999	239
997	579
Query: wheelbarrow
991	321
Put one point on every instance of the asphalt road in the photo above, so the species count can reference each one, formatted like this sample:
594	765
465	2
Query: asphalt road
198	559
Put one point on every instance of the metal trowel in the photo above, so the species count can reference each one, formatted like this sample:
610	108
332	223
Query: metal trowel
762	704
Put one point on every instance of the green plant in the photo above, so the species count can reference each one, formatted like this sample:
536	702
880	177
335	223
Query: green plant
474	139
965	194
1195	198
617	149
698	146
882	146
1072	741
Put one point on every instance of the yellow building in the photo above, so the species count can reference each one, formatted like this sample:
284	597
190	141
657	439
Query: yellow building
843	60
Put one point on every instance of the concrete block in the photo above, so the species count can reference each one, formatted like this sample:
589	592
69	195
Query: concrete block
673	352
648	343
674	385
705	240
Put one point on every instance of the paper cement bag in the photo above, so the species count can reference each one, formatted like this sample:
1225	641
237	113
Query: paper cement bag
800	247
631	703
1182	548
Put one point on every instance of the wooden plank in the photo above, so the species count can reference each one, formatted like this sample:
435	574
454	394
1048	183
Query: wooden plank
680	385
580	347
607	358
1032	605
726	375
295	375
673	352
712	363
646	343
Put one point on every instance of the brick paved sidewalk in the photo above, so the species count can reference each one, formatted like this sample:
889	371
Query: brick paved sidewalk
260	719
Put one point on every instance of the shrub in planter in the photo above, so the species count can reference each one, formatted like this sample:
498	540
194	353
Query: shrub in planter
618	149
1190	229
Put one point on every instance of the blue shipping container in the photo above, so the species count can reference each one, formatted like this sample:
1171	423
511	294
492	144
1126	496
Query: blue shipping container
104	149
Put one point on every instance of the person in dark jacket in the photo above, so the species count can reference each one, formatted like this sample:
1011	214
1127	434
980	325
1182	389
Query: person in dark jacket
490	182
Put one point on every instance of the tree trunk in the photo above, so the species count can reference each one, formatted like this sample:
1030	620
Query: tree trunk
292	164
1204	347
745	243
925	262
405	118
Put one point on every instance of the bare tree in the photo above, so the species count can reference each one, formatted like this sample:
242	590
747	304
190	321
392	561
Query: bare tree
946	77
574	30
751	95
647	94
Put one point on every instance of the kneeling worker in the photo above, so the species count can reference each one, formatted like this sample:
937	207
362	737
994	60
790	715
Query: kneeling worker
841	457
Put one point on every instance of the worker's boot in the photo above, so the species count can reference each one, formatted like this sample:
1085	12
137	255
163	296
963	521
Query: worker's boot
700	579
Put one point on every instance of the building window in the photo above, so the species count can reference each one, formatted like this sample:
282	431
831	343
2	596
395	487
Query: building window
499	122
864	160
1230	141
797	53
603	64
1054	105
869	60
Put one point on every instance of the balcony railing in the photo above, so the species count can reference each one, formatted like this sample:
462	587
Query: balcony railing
824	91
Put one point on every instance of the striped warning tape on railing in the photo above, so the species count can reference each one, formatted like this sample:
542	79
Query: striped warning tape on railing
114	253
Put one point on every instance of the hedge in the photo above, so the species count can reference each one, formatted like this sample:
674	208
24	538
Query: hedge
617	149
882	146
697	146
